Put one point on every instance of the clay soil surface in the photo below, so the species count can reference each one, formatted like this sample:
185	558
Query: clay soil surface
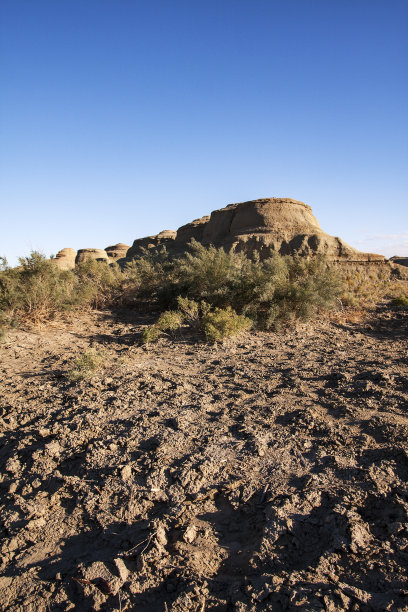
269	473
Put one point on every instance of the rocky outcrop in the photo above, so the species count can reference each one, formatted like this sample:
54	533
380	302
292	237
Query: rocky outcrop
194	230
276	224
65	259
265	225
84	254
165	238
117	251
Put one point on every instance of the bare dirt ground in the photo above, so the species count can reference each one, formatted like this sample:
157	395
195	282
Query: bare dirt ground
270	473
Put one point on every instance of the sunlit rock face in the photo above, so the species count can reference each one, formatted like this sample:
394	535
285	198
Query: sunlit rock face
84	254
276	224
265	225
165	238
258	226
65	259
117	251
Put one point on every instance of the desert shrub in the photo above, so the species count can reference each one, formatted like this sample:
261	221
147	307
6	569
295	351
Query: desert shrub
189	309
170	320
401	301
223	323
364	286
86	365
216	324
151	334
276	290
36	290
99	283
210	274
271	292
149	278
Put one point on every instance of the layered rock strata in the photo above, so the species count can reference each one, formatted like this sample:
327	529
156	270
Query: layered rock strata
84	254
65	259
265	225
151	242
117	251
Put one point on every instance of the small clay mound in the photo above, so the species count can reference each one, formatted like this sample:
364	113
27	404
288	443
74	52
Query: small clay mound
194	230
117	251
165	238
65	259
84	254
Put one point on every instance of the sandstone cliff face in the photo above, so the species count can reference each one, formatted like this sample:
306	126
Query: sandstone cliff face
117	251
194	230
84	254
65	259
151	242
265	225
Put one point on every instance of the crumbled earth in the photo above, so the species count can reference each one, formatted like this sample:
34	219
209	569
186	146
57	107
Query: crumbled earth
268	473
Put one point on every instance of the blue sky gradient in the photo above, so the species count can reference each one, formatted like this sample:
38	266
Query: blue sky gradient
120	118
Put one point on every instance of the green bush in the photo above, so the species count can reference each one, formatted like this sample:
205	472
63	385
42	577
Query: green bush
98	283
270	292
170	320
151	334
401	301
223	323
37	290
86	365
189	309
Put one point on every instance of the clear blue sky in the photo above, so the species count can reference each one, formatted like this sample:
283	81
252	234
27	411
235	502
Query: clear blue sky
120	118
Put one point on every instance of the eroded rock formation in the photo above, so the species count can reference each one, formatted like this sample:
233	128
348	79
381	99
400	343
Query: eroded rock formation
65	259
151	242
265	225
117	251
84	254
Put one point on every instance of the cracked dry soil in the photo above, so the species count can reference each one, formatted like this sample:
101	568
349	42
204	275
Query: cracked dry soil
269	473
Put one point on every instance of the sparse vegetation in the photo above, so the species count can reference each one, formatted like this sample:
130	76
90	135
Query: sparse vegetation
170	320
364	288
216	324
37	291
205	284
86	365
151	334
223	323
401	301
